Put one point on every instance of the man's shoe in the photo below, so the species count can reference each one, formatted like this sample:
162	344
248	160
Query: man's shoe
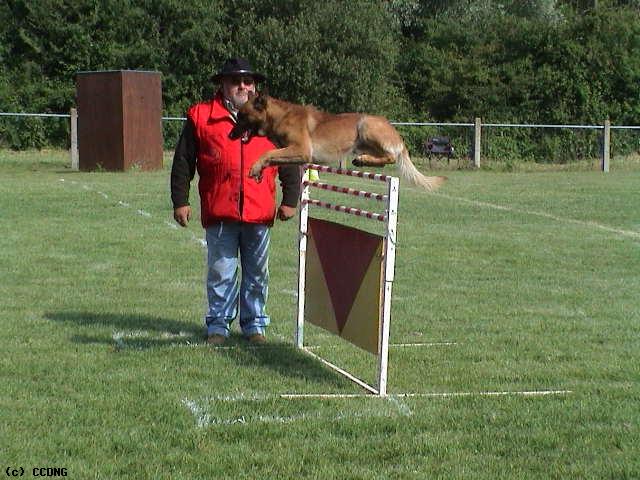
216	339
257	339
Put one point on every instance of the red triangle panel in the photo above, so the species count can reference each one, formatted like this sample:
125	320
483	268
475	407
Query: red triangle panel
345	255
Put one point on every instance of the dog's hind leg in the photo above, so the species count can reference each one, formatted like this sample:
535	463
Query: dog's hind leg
371	152
378	144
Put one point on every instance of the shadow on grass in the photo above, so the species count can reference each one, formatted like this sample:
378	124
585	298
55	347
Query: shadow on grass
283	358
143	332
131	323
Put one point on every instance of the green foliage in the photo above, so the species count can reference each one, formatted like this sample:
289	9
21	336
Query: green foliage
46	43
340	56
552	68
539	61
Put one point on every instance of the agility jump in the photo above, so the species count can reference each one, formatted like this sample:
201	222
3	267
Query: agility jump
355	302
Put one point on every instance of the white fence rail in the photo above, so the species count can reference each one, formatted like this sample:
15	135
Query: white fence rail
474	151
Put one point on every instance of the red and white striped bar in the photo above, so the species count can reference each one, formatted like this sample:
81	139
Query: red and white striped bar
350	173
350	210
358	193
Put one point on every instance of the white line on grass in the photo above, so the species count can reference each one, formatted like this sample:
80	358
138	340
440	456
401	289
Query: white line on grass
260	397
529	393
180	334
400	405
118	339
248	346
239	397
120	336
289	345
204	418
618	231
394	345
201	241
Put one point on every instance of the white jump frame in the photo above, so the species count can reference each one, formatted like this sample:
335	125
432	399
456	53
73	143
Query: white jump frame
390	219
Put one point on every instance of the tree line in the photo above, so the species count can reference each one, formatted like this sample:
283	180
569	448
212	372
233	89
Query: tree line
536	61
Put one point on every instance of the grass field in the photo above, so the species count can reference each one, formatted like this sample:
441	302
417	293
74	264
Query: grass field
519	282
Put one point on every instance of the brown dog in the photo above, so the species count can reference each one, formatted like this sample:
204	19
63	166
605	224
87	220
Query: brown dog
308	135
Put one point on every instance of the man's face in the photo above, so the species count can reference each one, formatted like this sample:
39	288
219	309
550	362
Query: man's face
236	88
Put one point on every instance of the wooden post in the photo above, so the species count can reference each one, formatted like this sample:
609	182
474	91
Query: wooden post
74	140
121	124
477	137
606	146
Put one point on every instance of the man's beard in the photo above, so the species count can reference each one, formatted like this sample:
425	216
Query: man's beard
238	100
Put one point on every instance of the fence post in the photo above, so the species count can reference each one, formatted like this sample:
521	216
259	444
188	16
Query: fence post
477	136
74	140
606	146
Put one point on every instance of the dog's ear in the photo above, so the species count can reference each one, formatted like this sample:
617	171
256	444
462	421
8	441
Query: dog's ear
264	91
260	102
252	95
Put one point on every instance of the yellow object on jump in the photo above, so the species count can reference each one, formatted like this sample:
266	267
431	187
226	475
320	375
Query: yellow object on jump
311	175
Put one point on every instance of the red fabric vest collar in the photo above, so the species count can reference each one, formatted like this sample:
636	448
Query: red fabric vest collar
218	110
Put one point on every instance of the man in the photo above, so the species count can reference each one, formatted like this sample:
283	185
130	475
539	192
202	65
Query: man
236	211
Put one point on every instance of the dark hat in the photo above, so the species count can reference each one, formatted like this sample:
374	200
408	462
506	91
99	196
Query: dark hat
237	66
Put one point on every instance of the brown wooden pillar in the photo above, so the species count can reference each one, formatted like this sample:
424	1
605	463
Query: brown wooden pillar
119	120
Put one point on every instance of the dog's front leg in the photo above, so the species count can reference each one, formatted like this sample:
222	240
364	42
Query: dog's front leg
292	155
256	169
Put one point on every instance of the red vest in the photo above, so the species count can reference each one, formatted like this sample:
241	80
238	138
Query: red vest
226	191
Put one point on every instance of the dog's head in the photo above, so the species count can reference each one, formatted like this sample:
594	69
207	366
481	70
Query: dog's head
252	116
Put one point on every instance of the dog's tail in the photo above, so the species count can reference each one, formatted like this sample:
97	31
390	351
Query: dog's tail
409	171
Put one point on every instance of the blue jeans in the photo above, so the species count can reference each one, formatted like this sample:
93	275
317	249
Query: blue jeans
224	242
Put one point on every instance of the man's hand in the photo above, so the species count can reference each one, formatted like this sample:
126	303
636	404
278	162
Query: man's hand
285	212
182	215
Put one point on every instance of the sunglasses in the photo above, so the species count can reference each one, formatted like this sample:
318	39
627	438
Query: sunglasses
237	80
